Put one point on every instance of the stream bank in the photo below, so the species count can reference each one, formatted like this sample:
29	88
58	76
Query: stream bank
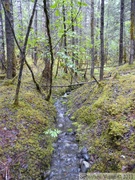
67	160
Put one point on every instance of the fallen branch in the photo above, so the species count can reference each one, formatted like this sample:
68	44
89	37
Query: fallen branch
96	80
71	85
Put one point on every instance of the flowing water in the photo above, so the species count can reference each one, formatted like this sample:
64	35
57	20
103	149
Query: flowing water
65	161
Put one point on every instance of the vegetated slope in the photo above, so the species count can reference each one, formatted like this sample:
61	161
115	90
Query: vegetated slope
105	117
25	150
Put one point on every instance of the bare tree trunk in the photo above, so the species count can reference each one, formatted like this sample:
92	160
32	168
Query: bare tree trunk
92	39
132	32
35	29
73	30
121	33
102	40
2	50
11	62
50	48
20	22
65	34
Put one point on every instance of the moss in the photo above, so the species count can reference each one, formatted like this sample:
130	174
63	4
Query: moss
22	127
116	130
105	120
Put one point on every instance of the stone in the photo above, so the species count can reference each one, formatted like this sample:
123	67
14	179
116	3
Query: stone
86	157
84	166
84	150
60	125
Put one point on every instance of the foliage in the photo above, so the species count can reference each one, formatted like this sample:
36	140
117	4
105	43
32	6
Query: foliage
53	133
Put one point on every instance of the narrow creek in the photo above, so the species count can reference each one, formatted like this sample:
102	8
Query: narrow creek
65	163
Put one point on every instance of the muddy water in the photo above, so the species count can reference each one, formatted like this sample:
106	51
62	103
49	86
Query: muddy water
65	161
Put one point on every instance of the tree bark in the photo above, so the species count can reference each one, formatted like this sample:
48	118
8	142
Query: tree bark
64	34
121	33
2	50
11	62
20	22
50	49
102	40
35	29
92	39
132	33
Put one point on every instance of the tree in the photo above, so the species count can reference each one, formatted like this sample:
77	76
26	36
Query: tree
11	62
35	29
121	33
132	33
102	40
92	38
64	35
23	55
50	48
20	22
2	50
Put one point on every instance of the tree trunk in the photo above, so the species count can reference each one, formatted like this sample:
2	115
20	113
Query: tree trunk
73	30
50	49
20	22
35	29
132	32
64	34
92	39
11	62
2	50
121	33
102	40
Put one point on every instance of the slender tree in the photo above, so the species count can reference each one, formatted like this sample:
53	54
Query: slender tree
121	33
11	62
20	22
50	48
102	40
132	33
92	38
23	54
64	34
2	50
36	30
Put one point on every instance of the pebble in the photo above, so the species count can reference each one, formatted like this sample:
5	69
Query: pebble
84	166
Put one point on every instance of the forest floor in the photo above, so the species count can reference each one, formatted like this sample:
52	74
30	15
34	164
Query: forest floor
104	116
25	149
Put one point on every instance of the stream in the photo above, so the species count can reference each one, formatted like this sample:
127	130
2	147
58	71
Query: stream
65	164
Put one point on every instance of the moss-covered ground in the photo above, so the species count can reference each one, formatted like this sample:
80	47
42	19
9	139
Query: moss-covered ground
25	150
105	119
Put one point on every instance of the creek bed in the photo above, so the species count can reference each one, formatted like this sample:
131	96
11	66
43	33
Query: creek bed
65	161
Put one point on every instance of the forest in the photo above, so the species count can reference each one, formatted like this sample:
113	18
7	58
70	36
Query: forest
67	89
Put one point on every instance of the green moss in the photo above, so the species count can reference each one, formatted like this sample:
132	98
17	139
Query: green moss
105	120
23	126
